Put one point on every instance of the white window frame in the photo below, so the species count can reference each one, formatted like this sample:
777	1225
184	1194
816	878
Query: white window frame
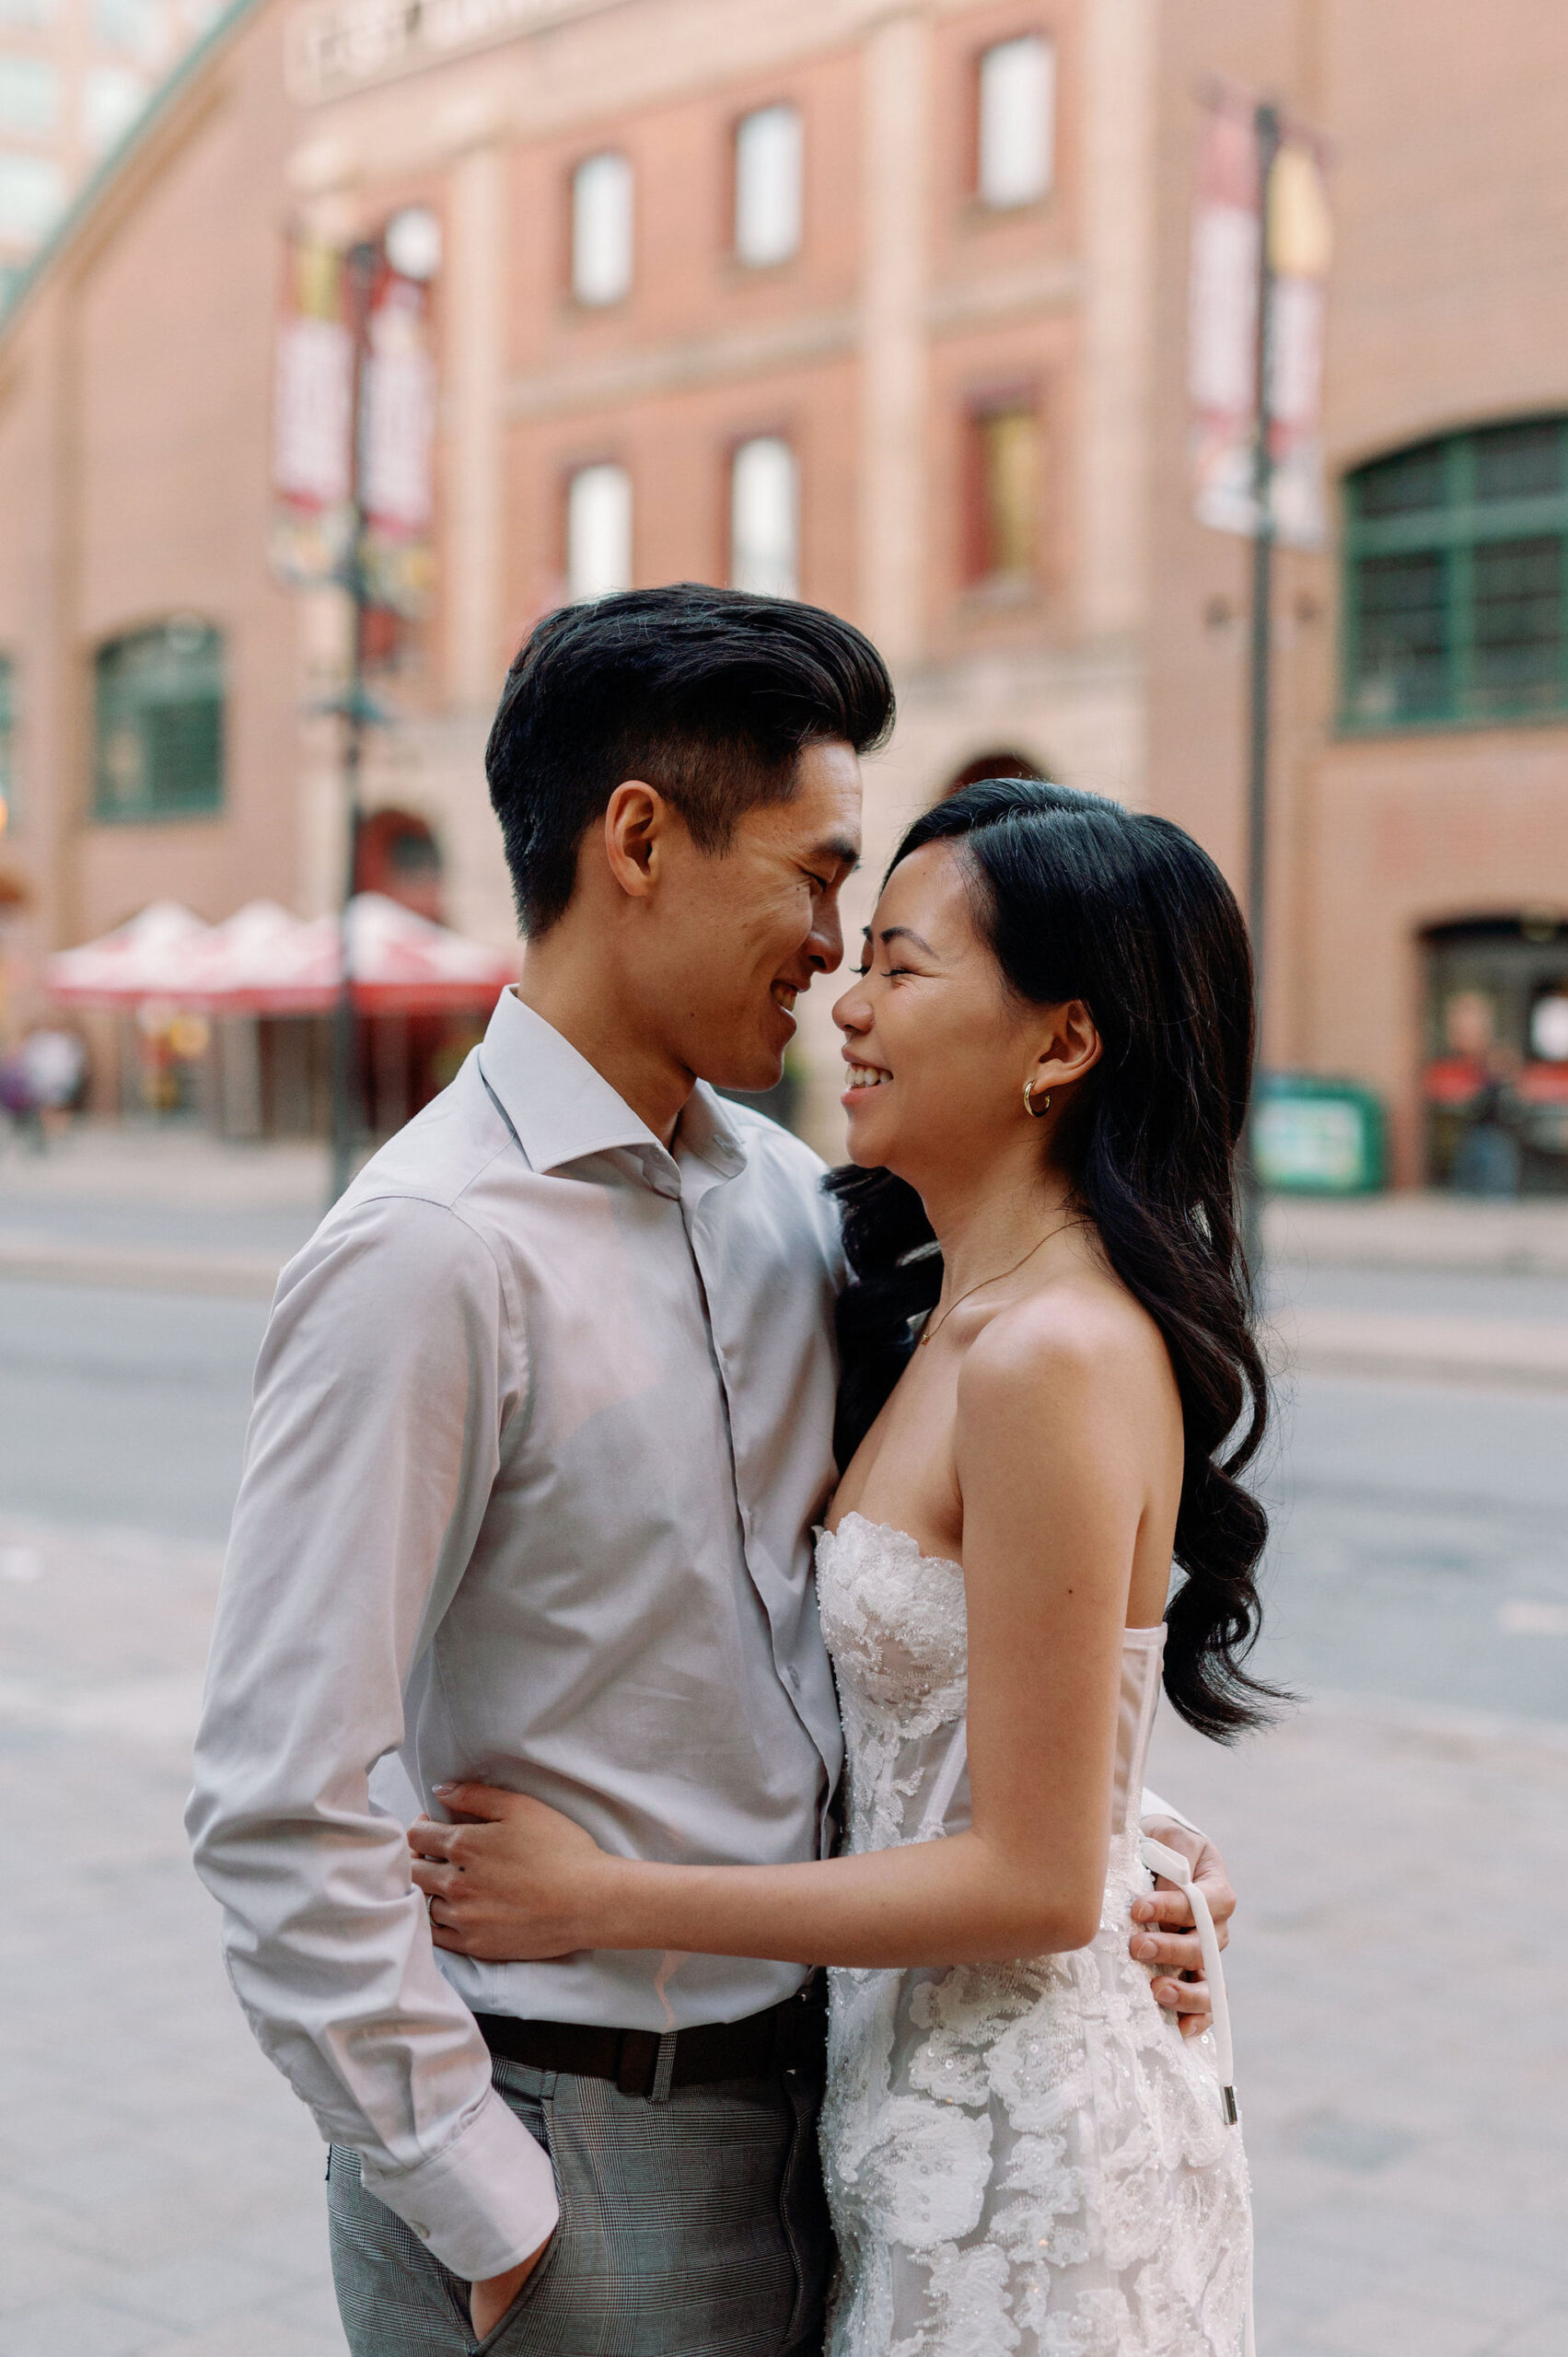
765	518
769	183
604	209
1016	121
598	530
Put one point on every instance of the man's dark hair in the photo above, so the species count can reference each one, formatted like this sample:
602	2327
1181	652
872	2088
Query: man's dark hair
711	695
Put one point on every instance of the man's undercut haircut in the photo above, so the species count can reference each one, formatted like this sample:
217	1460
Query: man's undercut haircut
710	695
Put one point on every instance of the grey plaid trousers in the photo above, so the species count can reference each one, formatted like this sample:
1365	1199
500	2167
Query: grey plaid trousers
693	2226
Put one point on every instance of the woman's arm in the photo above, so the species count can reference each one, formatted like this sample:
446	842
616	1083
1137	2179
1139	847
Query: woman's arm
1053	1495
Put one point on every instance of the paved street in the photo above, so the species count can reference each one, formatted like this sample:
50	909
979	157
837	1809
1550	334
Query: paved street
1399	2041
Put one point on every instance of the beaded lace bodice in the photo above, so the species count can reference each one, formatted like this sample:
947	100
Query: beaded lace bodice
1023	2157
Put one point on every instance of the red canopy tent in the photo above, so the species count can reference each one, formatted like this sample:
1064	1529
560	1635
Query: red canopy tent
262	960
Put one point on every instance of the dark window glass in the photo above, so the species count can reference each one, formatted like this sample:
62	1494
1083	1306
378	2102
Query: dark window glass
1518	623
1402	641
1519	461
158	717
1405	485
1457	574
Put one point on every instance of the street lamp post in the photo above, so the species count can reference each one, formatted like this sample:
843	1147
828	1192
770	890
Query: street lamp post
360	265
1266	124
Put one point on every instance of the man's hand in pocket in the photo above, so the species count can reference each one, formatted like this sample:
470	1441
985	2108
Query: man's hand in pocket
489	2300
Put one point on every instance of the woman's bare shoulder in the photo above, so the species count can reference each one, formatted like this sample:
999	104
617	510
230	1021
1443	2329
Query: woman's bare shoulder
1082	1334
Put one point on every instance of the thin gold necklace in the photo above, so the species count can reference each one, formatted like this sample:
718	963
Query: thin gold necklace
928	1330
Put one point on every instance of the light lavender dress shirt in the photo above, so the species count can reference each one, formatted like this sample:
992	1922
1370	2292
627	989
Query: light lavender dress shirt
542	1422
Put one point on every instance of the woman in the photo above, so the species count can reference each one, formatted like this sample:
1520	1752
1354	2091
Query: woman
1047	1357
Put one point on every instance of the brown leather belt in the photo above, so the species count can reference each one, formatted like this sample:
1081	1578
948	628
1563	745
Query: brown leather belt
788	2036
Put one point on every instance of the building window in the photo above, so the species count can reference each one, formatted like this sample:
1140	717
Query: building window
134	26
599	531
30	95
32	195
8	742
765	518
601	230
1456	579
158	732
1004	492
112	97
1016	129
768	149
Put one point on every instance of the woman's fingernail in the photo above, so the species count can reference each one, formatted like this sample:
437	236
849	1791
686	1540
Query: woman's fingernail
449	1786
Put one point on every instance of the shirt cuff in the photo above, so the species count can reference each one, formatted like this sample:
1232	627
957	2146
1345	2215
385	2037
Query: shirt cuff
1155	1808
484	2202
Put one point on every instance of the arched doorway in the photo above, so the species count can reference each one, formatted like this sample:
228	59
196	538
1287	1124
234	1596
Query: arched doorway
399	855
1003	763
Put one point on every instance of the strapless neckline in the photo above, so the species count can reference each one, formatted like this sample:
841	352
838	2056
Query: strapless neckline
906	1541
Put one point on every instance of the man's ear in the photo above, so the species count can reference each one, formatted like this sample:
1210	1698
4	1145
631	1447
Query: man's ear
636	817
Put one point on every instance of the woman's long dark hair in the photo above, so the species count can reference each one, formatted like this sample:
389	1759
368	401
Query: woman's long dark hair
1079	897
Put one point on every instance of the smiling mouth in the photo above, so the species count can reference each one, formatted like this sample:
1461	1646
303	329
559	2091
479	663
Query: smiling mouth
866	1076
784	995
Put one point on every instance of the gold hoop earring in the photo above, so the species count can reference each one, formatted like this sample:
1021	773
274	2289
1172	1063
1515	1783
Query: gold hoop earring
1035	1112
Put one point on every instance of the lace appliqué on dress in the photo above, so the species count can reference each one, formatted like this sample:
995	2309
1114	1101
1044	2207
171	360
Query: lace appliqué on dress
1024	2160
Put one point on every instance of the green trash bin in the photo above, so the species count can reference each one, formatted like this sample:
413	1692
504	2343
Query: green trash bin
1317	1137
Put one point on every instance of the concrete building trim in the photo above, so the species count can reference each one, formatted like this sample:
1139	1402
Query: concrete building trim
647	373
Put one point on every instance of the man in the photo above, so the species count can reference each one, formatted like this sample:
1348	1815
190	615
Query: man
542	1423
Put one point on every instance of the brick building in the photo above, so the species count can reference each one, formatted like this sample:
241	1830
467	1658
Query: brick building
885	304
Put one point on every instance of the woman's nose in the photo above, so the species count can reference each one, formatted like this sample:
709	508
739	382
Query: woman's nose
851	1012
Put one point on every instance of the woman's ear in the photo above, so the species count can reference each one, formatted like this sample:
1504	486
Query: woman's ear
1071	1049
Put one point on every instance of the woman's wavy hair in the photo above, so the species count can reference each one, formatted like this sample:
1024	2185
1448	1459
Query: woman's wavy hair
1079	897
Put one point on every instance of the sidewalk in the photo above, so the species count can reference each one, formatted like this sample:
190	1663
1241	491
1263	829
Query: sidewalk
1399	2040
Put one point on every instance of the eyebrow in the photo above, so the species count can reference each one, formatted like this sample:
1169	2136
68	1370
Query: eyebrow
841	849
903	933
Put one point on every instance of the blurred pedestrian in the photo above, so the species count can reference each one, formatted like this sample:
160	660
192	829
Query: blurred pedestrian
55	1063
18	1099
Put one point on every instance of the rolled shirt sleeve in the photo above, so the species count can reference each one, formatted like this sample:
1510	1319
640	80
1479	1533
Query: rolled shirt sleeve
392	1366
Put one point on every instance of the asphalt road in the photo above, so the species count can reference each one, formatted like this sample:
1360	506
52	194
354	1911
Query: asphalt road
1419	1550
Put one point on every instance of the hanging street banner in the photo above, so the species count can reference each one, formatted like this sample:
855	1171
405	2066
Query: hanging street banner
396	445
1223	331
339	330
312	529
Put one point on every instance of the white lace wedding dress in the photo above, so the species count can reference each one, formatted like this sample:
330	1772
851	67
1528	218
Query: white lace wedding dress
1022	2158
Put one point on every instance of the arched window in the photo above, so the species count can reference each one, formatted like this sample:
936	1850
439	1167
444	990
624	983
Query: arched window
396	854
768	156
1456	573
765	518
599	531
1000	764
158	721
602	230
1016	99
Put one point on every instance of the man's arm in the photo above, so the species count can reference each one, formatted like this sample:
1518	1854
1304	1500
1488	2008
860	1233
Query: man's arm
389	1367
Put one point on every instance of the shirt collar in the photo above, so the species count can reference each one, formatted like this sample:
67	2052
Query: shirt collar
563	1109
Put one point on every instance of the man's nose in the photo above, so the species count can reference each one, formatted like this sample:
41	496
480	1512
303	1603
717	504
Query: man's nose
824	944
